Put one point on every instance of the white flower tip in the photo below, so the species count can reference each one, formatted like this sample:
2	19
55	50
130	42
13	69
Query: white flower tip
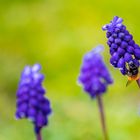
98	49
36	68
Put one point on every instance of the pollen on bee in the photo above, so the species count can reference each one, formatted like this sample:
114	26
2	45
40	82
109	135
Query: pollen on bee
134	77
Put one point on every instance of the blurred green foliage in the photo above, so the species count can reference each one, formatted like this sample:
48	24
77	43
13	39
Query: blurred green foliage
56	34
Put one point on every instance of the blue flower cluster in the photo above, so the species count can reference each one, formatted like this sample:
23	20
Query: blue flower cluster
94	75
123	48
31	102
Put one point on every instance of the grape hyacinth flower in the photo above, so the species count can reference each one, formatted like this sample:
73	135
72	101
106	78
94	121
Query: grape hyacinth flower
95	78
125	53
31	101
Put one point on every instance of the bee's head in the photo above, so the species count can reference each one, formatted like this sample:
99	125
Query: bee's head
132	65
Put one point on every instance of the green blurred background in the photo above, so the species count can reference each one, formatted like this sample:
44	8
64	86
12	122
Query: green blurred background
56	34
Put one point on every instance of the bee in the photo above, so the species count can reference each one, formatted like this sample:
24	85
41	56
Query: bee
133	73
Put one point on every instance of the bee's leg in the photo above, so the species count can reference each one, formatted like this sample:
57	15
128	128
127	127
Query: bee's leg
128	83
138	82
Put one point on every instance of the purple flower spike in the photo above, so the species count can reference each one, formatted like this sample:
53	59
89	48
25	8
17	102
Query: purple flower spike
95	78
123	48
94	75
31	102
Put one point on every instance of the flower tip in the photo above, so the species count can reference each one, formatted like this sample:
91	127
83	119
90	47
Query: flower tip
36	67
26	71
98	49
117	20
104	28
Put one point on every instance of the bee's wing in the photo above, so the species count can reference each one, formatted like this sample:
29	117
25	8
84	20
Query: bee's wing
128	83
138	82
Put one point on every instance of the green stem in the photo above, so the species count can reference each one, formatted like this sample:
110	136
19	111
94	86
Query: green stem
38	136
102	117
